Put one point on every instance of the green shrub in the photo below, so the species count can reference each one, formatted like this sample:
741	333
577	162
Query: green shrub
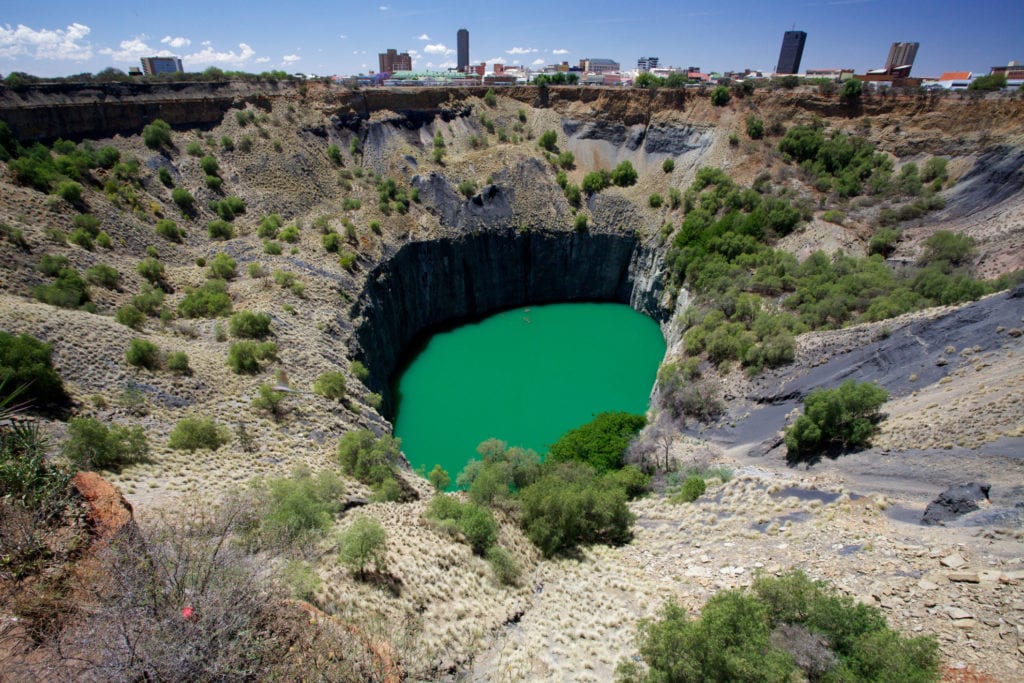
302	579
271	248
148	300
103	276
367	458
574	195
467	188
228	208
209	165
579	222
51	264
194	149
269	226
624	174
504	566
595	181
655	200
177	362
360	371
152	270
630	479
364	542
729	642
332	242
165	177
270	401
222	266
439	478
183	199
668	165
213	183
26	367
69	290
330	385
692	489
840	418
601	443
226	143
290	234
81	238
209	301
143	354
193	433
69	191
169	230
249	325
569	505
130	316
219	230
566	160
720	96
334	154
244	357
548	139
475	523
883	242
755	127
92	445
157	135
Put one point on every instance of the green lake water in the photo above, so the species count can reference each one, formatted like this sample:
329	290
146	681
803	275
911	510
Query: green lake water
525	376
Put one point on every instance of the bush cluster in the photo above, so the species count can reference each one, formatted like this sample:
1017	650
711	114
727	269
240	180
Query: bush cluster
249	325
209	301
27	374
601	443
330	385
773	632
93	445
193	433
473	522
371	460
841	418
244	357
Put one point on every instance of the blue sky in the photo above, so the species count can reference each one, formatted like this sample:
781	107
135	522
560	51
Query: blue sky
59	37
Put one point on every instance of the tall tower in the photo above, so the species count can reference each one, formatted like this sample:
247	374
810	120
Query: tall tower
791	53
462	42
901	54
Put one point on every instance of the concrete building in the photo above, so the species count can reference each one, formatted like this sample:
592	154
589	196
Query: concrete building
462	46
647	63
791	53
152	66
392	61
599	66
901	54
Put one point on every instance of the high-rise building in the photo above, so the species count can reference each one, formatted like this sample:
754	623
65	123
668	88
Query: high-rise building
646	63
462	43
392	61
791	53
901	54
161	65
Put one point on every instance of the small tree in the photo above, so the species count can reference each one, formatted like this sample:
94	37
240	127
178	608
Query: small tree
668	165
249	325
851	90
222	266
840	418
363	543
720	96
157	135
439	478
269	401
91	444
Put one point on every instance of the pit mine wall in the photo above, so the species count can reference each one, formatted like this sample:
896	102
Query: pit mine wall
427	284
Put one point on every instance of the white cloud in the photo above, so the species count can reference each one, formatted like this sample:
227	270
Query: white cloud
497	60
343	36
522	50
290	59
384	8
208	55
560	51
438	49
537	62
133	49
423	36
415	54
261	60
176	42
68	43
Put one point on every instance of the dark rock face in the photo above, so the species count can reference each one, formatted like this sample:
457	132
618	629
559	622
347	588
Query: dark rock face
427	284
955	501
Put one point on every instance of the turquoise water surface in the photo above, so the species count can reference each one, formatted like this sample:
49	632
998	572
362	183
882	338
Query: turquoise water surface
525	376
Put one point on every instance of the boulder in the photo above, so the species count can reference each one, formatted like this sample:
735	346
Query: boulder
955	501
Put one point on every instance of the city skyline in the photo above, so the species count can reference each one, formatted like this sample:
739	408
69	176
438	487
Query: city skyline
61	38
